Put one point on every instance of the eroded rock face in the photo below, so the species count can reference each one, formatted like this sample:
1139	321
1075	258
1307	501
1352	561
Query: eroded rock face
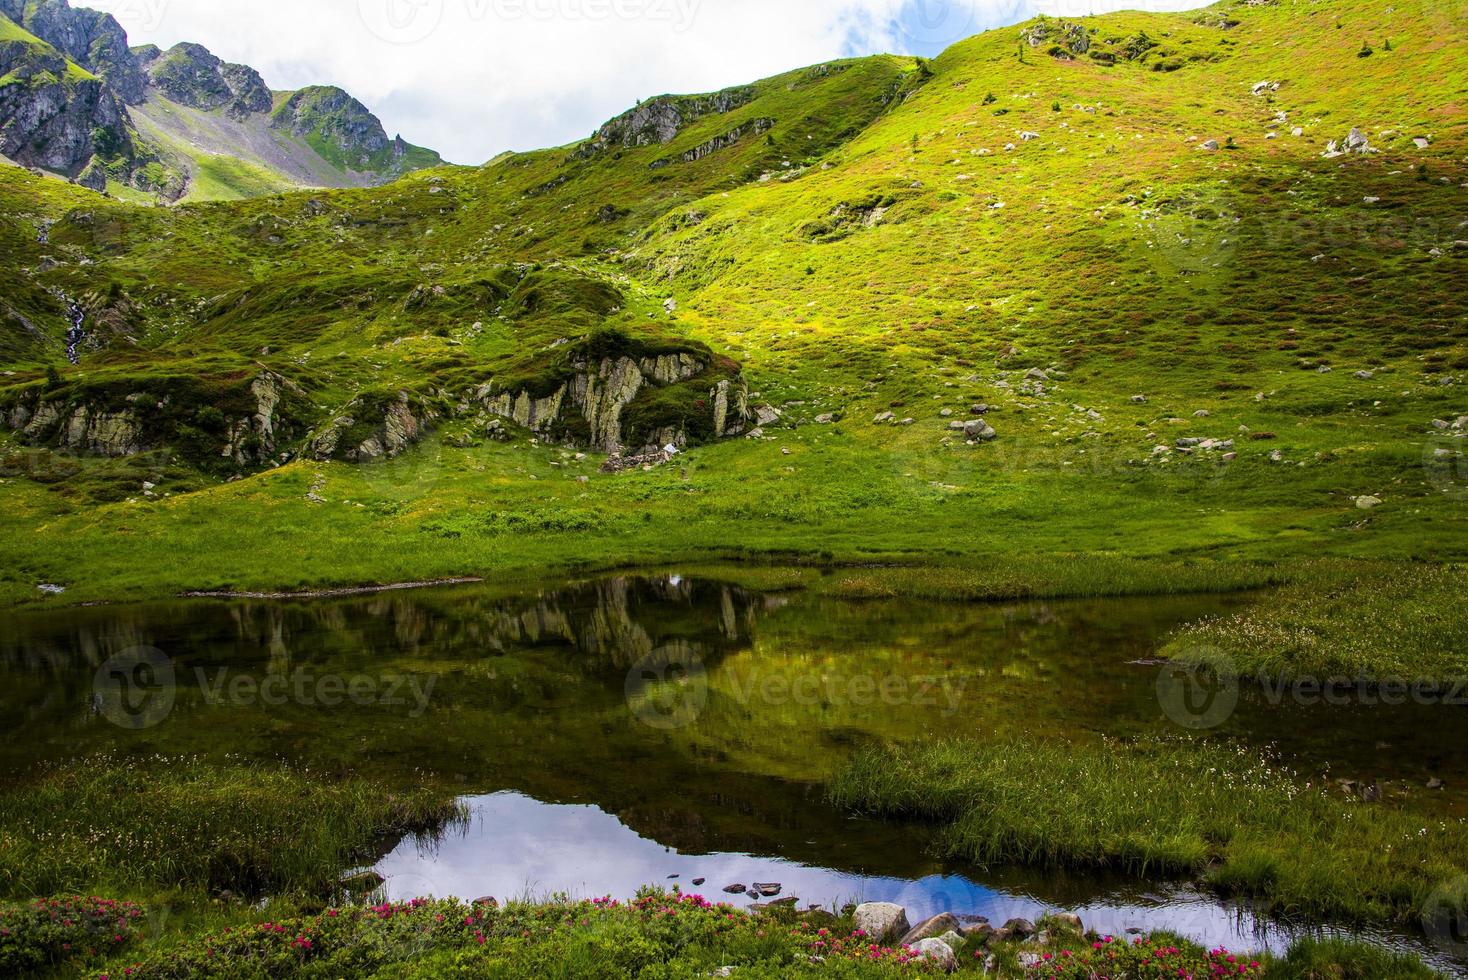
79	429
52	121
92	39
115	427
339	118
658	121
599	393
388	433
256	439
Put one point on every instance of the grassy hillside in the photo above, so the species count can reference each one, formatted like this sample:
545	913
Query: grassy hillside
1189	352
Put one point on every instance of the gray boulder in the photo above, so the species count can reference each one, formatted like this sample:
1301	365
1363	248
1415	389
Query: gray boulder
937	952
980	430
936	926
882	921
1020	928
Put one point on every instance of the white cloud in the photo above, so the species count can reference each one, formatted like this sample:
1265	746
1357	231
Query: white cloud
473	77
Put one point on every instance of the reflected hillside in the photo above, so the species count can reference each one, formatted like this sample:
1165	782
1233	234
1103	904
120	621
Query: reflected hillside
701	713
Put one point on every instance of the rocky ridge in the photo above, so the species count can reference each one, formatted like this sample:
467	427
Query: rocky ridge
660	120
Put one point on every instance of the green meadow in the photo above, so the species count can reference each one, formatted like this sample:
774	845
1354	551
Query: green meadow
1217	356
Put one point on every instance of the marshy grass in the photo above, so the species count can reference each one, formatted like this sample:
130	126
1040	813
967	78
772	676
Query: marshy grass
1343	959
1056	576
1395	621
109	824
1222	813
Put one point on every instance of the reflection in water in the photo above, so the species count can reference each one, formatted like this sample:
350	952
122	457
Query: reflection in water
517	848
543	695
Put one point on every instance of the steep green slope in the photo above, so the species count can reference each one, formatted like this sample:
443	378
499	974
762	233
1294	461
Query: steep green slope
1185	347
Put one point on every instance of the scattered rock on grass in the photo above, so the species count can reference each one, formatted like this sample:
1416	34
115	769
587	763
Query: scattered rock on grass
1020	928
882	920
930	929
1069	920
939	953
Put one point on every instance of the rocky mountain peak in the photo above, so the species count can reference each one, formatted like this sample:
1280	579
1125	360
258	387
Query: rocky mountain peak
336	117
92	39
87	111
191	75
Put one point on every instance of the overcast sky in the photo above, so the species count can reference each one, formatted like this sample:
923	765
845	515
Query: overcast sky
471	78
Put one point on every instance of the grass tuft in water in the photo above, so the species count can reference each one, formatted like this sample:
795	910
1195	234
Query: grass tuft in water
1220	812
1400	622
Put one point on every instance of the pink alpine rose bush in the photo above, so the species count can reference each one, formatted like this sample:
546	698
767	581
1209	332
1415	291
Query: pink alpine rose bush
1142	959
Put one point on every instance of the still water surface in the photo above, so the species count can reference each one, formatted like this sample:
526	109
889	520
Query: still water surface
613	733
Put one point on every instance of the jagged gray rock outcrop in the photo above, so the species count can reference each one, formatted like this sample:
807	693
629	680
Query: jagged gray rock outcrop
372	433
50	121
113	426
660	120
92	39
191	75
756	127
80	103
80	428
335	116
596	396
1074	36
